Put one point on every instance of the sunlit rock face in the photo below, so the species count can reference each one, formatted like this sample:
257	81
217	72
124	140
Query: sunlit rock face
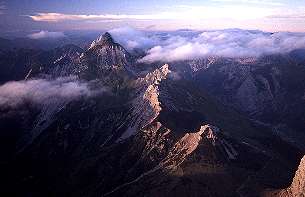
297	187
146	105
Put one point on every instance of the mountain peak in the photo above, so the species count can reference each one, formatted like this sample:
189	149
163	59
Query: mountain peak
105	39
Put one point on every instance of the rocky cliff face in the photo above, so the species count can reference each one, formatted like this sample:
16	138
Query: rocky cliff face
64	62
297	187
146	105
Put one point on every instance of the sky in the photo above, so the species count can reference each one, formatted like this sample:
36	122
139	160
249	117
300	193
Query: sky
65	15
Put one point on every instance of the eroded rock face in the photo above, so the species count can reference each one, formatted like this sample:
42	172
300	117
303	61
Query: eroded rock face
298	185
146	105
297	188
185	146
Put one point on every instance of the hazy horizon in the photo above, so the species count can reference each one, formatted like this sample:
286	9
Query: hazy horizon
157	15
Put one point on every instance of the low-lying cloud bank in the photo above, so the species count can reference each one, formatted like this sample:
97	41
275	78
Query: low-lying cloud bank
132	39
42	91
46	34
183	45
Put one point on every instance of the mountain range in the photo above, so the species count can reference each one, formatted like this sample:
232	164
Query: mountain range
210	126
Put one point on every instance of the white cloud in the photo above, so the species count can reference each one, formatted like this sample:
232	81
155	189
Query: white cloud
42	91
236	12
57	17
258	2
181	12
131	38
248	14
224	43
288	16
296	13
46	34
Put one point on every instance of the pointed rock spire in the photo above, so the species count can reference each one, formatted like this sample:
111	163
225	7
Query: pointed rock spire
105	39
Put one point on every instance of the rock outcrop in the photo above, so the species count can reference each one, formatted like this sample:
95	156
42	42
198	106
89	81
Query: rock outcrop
297	188
105	54
146	105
